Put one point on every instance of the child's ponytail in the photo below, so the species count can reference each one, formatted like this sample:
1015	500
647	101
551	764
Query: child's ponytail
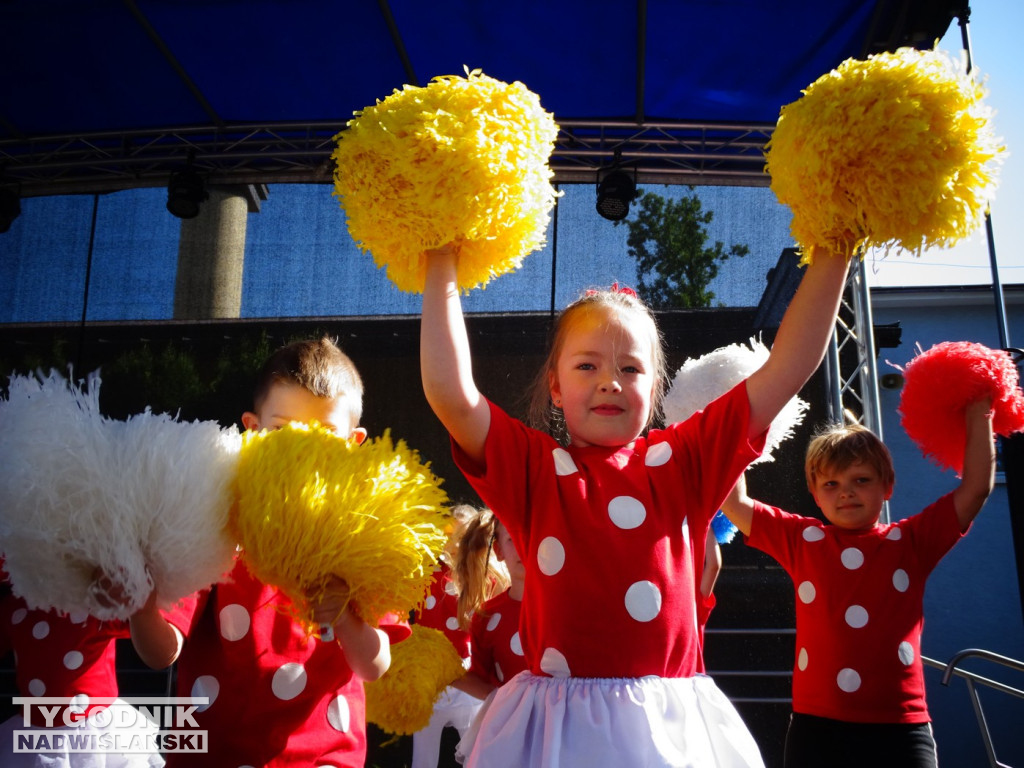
478	573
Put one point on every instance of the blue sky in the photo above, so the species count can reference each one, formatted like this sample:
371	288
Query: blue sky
995	46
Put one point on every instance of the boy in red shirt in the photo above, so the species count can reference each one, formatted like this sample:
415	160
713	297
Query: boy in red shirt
858	681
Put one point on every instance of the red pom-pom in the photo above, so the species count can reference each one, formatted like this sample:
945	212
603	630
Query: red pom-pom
939	385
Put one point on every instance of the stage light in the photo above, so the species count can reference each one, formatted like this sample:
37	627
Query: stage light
10	207
185	191
614	194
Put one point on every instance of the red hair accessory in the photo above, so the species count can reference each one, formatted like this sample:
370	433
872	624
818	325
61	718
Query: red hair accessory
625	290
938	386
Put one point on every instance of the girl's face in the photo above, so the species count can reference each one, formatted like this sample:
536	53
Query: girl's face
506	552
604	378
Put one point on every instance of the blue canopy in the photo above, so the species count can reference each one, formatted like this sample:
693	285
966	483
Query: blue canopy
110	94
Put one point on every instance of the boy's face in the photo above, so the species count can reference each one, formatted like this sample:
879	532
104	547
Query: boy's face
851	498
292	402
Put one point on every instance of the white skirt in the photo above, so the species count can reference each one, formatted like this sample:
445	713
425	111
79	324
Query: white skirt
144	731
563	722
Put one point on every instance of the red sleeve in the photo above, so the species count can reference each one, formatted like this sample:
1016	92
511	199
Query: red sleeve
183	613
395	627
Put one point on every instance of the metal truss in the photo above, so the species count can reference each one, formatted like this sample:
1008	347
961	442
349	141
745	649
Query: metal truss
851	365
851	368
661	152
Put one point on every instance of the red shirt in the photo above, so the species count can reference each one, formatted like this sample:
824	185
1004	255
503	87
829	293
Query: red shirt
59	654
441	610
609	537
497	650
859	609
278	696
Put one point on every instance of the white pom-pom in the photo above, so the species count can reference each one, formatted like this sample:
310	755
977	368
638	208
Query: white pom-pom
143	502
700	381
177	481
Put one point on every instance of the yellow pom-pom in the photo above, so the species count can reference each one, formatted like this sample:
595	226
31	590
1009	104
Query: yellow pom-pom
462	159
310	504
422	666
896	151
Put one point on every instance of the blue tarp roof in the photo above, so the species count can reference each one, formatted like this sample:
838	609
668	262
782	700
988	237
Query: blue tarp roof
116	78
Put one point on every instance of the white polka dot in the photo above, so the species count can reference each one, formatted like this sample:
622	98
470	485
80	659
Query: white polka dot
550	556
813	533
40	630
451	589
552	662
856	616
452	623
852	558
234	622
643	601
289	681
806	592
36	687
78	617
19	616
338	714
431	602
516	645
801	660
900	580
79	702
564	465
848	680
208	686
686	531
492	622
626	512
906	653
894	534
658	454
499	673
73	659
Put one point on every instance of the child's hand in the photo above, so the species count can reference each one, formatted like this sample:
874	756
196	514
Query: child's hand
109	592
981	408
450	250
329	600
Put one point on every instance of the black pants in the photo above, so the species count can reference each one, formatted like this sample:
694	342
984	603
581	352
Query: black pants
818	742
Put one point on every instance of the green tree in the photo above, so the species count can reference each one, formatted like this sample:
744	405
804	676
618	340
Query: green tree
674	266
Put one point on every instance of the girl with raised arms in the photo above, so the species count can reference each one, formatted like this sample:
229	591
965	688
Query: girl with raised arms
610	523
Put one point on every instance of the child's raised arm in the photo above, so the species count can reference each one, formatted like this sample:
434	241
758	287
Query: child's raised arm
800	343
978	476
445	362
739	507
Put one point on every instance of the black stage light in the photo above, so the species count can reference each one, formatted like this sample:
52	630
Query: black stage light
185	191
10	207
614	194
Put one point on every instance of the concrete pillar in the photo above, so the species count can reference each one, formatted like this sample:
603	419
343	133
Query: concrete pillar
211	257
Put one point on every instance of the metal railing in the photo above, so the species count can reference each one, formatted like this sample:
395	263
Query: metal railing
972	681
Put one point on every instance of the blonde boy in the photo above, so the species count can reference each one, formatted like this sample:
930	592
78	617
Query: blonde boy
858	681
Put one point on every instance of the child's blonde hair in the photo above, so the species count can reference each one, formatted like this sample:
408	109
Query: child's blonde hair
837	446
478	573
542	413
